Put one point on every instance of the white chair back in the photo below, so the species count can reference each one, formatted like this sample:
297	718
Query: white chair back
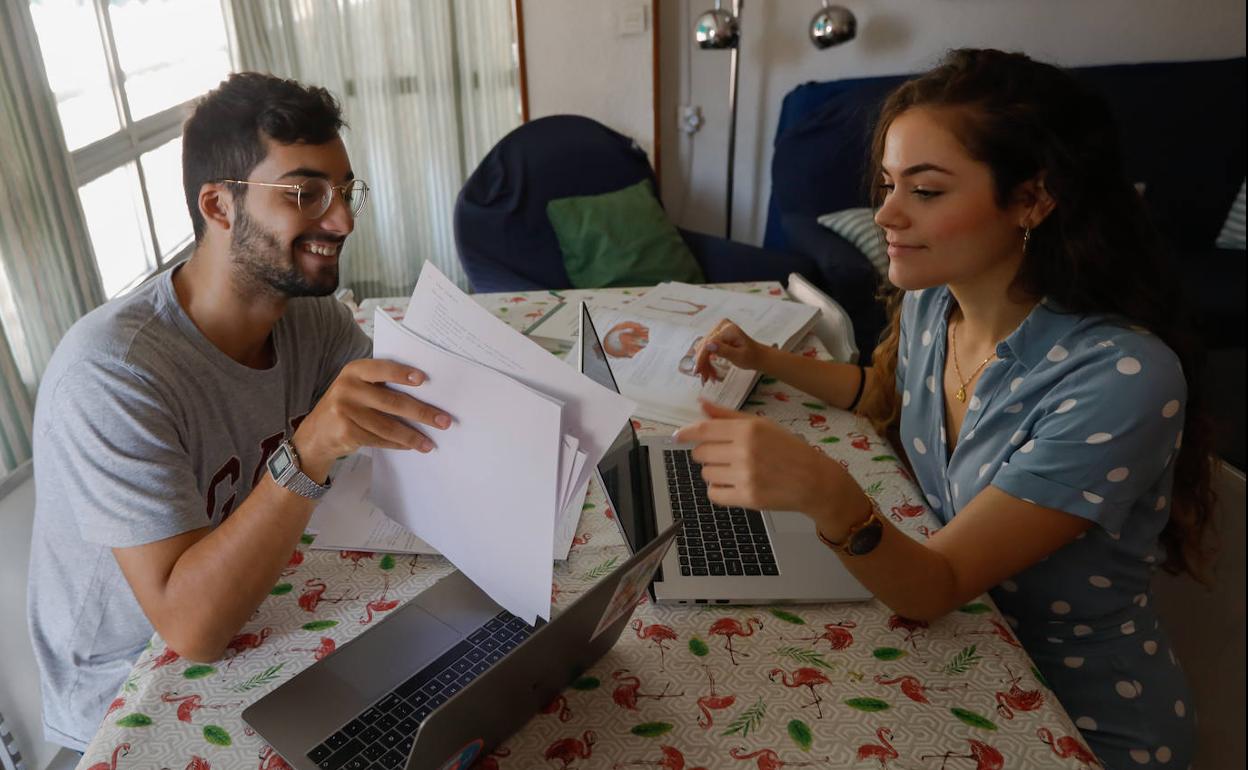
834	329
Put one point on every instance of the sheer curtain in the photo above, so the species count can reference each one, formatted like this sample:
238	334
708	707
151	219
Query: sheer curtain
48	277
427	88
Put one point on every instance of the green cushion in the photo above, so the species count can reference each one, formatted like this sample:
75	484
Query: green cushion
620	238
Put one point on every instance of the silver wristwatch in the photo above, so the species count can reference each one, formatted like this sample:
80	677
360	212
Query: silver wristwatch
284	468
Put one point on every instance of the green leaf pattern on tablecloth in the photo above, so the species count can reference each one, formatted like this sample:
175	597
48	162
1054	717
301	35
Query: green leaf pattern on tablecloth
696	701
800	732
748	720
962	662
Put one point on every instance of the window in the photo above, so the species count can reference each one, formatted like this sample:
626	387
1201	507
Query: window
123	73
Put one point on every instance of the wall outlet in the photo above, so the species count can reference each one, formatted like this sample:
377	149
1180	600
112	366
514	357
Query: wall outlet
690	118
631	20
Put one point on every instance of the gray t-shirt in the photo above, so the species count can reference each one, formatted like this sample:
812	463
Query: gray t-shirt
144	430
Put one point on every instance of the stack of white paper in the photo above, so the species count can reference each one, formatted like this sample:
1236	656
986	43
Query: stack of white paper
504	485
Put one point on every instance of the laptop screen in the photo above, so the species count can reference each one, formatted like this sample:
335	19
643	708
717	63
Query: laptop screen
620	467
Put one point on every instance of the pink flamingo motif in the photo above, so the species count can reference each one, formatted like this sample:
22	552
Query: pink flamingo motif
925	532
312	596
836	635
861	441
490	761
1068	747
568	750
296	558
321	651
817	422
379	605
672	759
712	702
768	759
626	695
189	704
356	557
657	634
558	706
164	659
803	677
998	630
986	757
730	627
122	749
582	539
913	689
271	760
116	704
883	752
556	591
244	642
907	510
1017	699
198	763
911	627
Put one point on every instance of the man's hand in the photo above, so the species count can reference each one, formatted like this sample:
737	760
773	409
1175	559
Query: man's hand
727	341
359	410
753	462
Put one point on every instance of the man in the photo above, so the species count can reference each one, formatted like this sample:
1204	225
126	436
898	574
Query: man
184	431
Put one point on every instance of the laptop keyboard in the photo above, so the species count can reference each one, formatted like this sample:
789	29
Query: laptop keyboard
381	736
714	540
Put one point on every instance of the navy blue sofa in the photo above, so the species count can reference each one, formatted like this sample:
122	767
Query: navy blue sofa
1183	137
506	242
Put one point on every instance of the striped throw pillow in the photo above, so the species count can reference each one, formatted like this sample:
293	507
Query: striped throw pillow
1232	235
858	227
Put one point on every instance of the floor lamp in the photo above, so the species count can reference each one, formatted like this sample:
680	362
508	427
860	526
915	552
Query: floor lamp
718	29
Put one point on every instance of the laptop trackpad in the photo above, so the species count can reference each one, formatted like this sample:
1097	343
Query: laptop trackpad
391	651
791	522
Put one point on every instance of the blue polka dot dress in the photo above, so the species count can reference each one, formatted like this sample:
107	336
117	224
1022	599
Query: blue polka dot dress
1085	416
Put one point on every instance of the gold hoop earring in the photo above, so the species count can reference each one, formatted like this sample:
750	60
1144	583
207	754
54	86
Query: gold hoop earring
1026	239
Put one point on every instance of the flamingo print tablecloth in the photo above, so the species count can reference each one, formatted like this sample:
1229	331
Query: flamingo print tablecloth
850	685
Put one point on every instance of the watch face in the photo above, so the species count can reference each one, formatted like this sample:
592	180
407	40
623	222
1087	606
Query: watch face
279	462
866	539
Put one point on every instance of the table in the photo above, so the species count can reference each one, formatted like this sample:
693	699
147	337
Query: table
849	685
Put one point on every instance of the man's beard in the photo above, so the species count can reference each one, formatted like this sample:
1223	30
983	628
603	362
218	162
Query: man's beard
258	264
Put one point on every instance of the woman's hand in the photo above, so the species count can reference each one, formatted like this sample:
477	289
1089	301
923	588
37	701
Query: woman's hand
752	462
727	341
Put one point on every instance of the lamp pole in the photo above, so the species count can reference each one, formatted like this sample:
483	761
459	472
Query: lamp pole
733	80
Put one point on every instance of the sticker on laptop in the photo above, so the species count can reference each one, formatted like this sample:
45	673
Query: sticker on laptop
629	590
465	756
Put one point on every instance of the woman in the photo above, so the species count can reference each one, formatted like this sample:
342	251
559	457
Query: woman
1033	373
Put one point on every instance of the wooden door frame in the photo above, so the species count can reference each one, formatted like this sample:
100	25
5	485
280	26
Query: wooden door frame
517	13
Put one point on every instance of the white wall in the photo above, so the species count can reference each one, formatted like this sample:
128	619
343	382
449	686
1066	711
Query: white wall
580	60
894	37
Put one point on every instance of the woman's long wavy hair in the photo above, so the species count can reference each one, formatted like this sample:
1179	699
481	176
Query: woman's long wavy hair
1097	253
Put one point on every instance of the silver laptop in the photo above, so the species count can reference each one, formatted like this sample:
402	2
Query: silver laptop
723	555
446	677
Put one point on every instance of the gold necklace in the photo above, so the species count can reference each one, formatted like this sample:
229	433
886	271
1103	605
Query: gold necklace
962	383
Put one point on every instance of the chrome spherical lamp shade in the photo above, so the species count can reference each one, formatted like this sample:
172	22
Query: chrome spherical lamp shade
832	25
717	29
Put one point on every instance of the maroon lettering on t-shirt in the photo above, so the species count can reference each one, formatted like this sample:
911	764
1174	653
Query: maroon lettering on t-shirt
267	447
231	472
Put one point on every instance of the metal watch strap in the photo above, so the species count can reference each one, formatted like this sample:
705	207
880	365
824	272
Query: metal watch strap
299	482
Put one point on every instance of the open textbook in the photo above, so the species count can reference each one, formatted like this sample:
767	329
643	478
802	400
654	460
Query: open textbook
652	345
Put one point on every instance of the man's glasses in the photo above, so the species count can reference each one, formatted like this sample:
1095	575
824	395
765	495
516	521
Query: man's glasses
316	194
